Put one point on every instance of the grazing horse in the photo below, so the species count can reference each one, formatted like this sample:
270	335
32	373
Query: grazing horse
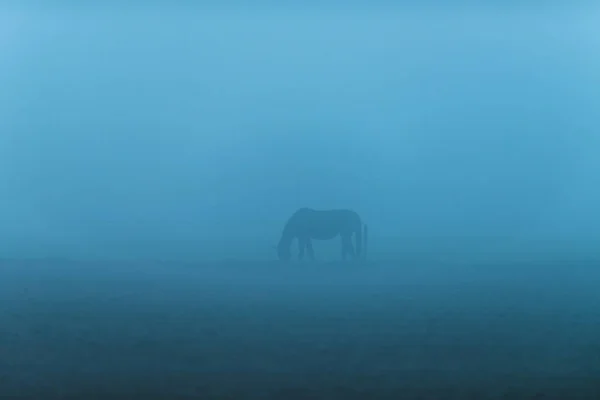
306	224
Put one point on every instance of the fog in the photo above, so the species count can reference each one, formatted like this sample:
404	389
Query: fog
162	128
149	157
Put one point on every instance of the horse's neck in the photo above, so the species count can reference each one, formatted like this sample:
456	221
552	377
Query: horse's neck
287	236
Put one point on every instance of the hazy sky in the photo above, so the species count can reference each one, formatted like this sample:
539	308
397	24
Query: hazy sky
166	123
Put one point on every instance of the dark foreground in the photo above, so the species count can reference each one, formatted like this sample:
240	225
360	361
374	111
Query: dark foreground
325	331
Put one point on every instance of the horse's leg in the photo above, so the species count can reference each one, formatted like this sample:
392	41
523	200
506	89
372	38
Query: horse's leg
301	246
347	247
350	248
311	252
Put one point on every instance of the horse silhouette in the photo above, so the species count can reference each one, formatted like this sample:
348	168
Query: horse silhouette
307	224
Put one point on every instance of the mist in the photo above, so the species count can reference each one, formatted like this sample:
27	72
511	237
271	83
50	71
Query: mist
165	128
175	141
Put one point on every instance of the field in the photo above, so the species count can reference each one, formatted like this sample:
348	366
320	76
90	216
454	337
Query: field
251	330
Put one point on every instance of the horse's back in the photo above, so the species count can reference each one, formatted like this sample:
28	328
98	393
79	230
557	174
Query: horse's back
347	219
326	220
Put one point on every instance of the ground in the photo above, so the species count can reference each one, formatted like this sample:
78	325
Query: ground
250	330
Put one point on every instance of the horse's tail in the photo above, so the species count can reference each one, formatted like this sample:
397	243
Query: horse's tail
361	241
365	241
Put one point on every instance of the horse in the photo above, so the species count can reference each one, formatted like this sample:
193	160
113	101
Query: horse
306	224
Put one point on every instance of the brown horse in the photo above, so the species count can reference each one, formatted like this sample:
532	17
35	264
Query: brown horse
306	224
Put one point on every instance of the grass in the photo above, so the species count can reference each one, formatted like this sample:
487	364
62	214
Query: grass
248	330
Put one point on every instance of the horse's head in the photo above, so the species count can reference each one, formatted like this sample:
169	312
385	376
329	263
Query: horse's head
283	252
